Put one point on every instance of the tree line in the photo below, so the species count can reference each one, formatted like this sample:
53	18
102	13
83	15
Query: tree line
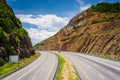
105	7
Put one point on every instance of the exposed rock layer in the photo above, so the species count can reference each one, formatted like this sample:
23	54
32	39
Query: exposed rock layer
88	32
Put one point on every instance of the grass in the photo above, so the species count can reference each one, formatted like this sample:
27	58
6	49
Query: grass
117	60
7	68
104	56
65	70
108	57
60	68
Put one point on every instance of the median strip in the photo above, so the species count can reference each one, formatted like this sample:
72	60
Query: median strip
65	69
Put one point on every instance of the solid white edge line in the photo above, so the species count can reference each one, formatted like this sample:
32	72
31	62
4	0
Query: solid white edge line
101	76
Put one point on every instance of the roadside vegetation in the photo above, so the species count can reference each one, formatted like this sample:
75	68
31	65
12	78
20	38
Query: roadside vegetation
7	68
12	35
72	38
65	70
105	7
109	57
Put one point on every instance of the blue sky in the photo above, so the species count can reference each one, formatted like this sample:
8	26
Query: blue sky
43	18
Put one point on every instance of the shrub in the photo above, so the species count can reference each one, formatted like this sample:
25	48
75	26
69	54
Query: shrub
76	36
2	61
4	37
21	32
12	50
65	39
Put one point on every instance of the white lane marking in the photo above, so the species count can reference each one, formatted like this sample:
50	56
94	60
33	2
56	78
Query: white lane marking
89	66
96	65
98	60
52	69
101	76
34	78
114	67
28	72
27	67
110	65
110	72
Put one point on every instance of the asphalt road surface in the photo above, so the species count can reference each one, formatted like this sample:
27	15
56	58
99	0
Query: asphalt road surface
43	68
94	68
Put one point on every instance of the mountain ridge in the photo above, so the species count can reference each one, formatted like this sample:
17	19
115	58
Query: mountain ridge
95	31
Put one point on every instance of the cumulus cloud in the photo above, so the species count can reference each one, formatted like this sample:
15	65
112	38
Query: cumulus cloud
50	21
83	5
38	35
46	25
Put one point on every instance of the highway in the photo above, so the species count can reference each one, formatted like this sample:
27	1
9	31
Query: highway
94	68
43	68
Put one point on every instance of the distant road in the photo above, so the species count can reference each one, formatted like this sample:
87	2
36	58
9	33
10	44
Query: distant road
43	68
94	68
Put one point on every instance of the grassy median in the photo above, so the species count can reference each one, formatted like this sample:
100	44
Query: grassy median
65	70
7	68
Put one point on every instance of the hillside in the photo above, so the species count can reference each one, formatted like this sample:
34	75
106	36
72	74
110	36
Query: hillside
12	35
94	31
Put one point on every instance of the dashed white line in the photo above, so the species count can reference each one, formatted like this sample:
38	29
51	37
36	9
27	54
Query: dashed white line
52	69
110	72
28	71
89	66
101	76
114	67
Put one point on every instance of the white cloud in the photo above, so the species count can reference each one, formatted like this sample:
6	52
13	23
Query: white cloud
50	21
38	35
80	2
83	6
46	25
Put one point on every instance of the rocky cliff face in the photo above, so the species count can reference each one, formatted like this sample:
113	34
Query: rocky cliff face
90	32
12	35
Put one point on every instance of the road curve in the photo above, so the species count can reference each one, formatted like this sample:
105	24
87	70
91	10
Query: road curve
43	68
94	68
